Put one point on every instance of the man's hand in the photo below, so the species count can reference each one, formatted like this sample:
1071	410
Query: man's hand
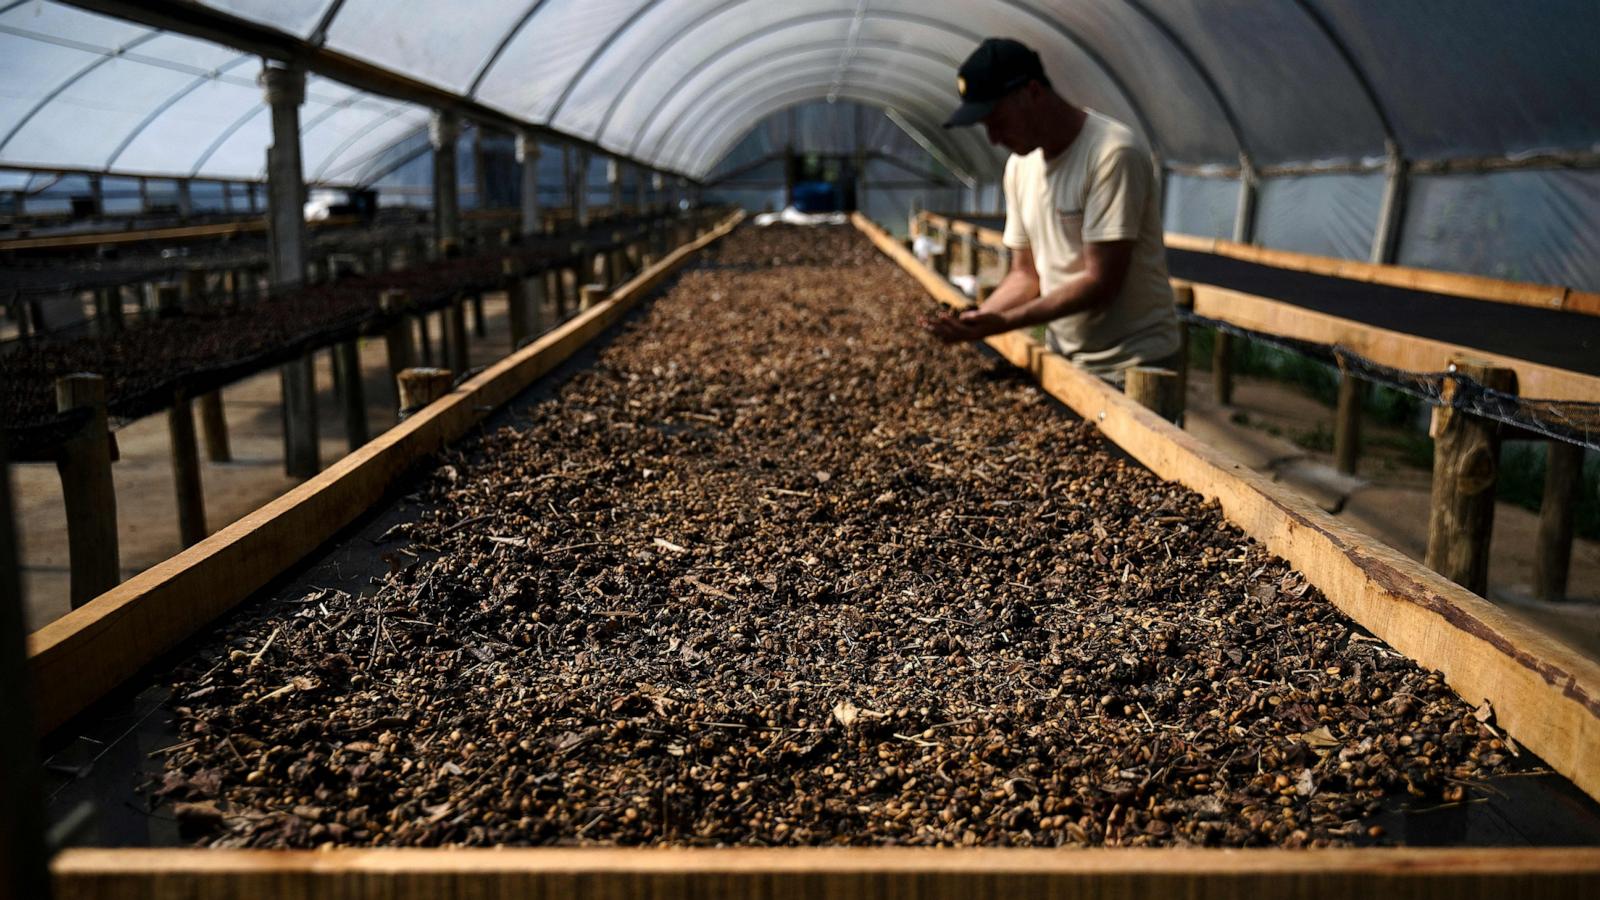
971	325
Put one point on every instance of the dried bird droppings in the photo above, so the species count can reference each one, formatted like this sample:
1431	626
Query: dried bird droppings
634	614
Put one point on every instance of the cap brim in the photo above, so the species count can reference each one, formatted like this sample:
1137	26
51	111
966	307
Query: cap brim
970	112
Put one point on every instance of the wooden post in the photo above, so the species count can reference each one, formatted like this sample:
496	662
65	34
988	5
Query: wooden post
1222	367
941	262
533	301
1155	389
592	294
455	335
1466	461
301	458
25	863
479	328
973	263
420	386
347	362
424	340
108	311
194	287
214	427
169	300
397	339
1563	478
516	301
1347	423
186	470
1183	299
91	497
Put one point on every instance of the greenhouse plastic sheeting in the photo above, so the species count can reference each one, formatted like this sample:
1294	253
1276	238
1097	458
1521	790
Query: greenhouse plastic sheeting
1214	85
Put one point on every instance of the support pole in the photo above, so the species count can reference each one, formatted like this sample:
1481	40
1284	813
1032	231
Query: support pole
84	462
1155	389
1466	462
479	327
1222	367
517	291
1244	217
300	449
397	339
424	340
580	188
455	335
1347	423
528	159
286	227
420	386
444	131
347	362
1183	299
1563	478
1392	212
25	864
186	471
614	181
214	427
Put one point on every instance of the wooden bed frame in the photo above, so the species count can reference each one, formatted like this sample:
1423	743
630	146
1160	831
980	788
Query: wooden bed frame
1544	695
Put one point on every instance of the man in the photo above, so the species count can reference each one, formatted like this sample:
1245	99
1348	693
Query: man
1083	222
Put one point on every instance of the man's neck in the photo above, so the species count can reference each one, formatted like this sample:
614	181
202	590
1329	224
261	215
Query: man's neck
1066	124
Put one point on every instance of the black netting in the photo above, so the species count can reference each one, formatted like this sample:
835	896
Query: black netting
1572	421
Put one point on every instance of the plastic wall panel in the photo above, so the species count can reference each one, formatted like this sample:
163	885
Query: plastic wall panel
188	52
537	64
1188	122
297	17
243	153
116	96
441	43
1200	206
1329	215
71	23
1294	97
1533	225
350	162
30	70
175	139
1479	77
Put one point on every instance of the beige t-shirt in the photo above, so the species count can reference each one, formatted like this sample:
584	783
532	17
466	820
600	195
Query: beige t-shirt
1103	187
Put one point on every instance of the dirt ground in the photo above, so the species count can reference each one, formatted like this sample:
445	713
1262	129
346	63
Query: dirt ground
1389	497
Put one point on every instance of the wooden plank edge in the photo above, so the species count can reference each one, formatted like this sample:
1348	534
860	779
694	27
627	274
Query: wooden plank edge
1391	348
119	872
79	657
1436	281
1544	694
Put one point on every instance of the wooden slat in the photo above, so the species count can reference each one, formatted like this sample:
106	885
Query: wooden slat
1454	284
1391	348
89	651
176	233
826	874
1545	694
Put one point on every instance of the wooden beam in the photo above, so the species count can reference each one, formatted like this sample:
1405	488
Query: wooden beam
1155	389
92	649
186	470
84	462
1347	423
1466	463
819	873
1544	693
1433	281
1391	348
1563	479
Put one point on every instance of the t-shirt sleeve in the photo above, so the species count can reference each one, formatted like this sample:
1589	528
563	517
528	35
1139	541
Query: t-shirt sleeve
1015	237
1120	185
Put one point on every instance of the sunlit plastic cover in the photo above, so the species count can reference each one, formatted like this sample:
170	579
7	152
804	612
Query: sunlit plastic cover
677	83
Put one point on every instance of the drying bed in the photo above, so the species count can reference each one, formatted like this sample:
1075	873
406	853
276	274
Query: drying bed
777	569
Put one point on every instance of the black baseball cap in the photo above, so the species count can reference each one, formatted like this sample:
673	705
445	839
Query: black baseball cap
998	67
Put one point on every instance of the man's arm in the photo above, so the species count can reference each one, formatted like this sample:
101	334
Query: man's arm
1105	269
1019	286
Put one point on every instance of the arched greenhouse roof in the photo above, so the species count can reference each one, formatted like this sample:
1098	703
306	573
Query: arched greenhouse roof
674	84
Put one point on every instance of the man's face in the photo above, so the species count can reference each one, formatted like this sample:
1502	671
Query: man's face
1010	125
